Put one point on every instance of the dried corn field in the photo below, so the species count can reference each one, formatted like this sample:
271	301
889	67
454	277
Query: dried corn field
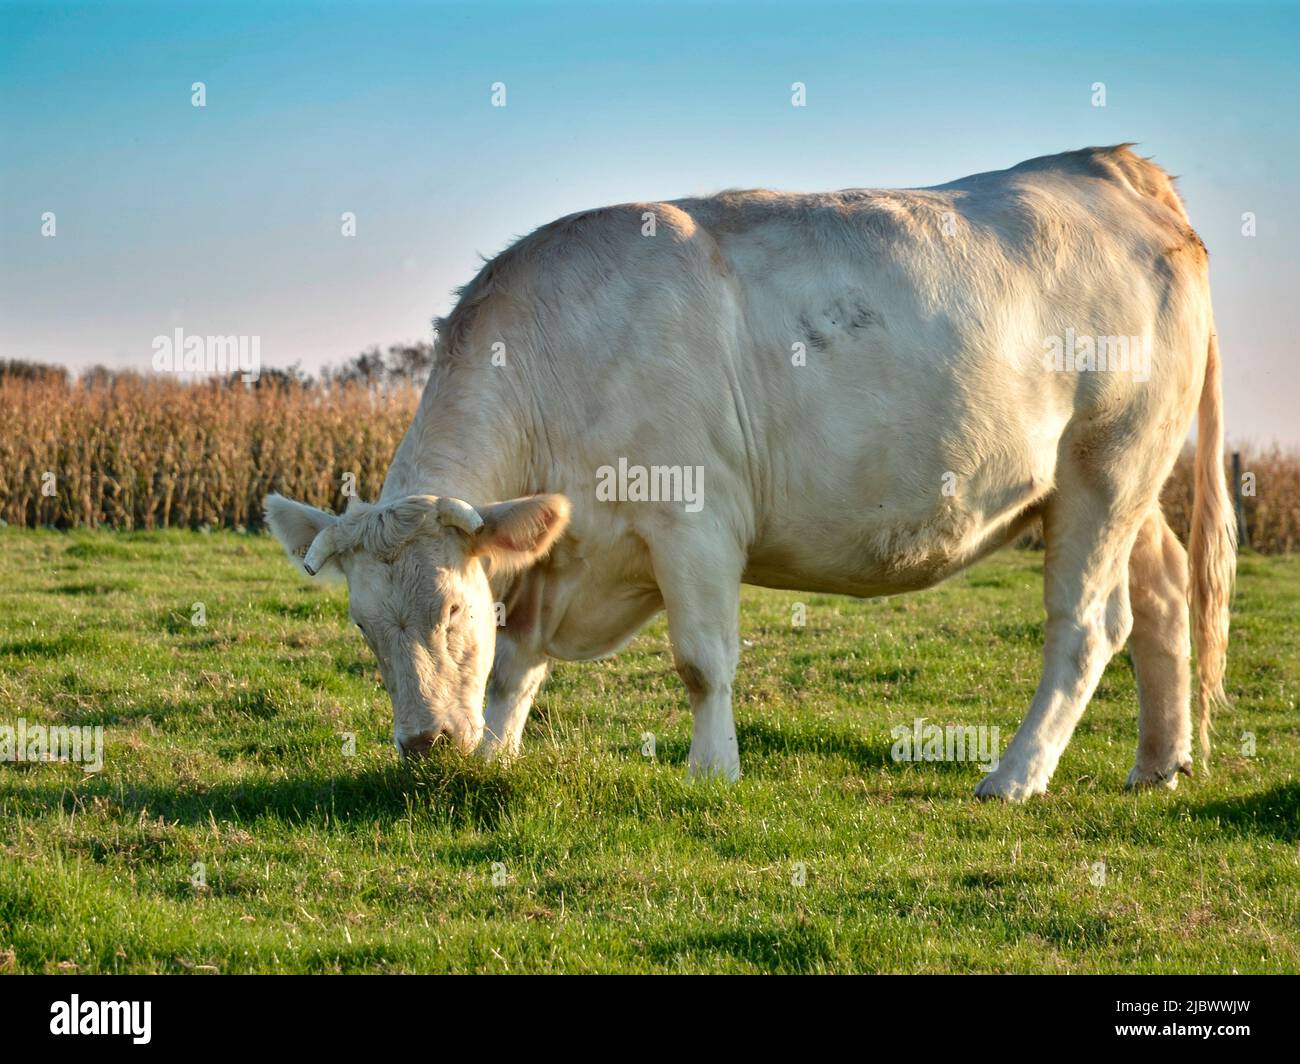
152	452
145	453
1270	497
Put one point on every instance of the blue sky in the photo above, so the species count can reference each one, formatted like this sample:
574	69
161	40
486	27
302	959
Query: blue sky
225	219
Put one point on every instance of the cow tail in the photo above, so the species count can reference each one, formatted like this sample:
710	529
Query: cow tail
1212	550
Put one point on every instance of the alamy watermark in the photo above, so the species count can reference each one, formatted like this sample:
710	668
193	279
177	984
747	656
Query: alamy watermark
656	483
25	742
179	353
951	742
77	1017
1083	353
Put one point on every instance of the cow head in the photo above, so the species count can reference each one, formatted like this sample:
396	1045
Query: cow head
417	572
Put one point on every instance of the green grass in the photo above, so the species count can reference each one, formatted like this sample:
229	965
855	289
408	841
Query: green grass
223	747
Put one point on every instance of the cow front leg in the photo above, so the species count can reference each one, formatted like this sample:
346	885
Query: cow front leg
517	675
701	594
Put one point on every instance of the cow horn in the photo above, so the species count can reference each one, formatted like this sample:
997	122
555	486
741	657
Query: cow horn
322	549
458	514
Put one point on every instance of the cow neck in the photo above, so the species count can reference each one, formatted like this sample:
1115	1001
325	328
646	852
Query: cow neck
463	444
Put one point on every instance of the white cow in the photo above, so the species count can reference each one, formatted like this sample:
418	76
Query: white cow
860	392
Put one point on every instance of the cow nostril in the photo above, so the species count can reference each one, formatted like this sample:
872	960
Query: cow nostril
419	745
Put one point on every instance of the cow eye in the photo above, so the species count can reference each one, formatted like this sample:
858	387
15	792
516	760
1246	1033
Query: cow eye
454	610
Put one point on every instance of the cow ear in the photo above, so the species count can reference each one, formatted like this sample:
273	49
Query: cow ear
297	526
517	533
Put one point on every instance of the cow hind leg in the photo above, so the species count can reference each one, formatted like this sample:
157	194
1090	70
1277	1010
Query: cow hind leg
1160	647
1089	529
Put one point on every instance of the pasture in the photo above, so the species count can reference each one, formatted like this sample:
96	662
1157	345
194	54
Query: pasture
234	829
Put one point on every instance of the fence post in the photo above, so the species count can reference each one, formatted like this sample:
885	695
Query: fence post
1242	539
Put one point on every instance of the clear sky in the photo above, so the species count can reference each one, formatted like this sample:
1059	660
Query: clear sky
226	219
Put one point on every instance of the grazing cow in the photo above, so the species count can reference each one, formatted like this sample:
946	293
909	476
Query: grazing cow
643	407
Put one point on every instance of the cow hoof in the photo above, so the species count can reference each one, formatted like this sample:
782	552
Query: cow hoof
1141	779
713	770
1008	788
490	749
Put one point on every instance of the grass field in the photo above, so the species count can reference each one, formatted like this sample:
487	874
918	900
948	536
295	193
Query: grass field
224	749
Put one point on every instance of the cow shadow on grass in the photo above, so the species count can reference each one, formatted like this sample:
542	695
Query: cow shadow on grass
1273	814
761	740
795	950
463	794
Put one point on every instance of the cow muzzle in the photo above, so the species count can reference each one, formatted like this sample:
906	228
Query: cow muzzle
418	746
